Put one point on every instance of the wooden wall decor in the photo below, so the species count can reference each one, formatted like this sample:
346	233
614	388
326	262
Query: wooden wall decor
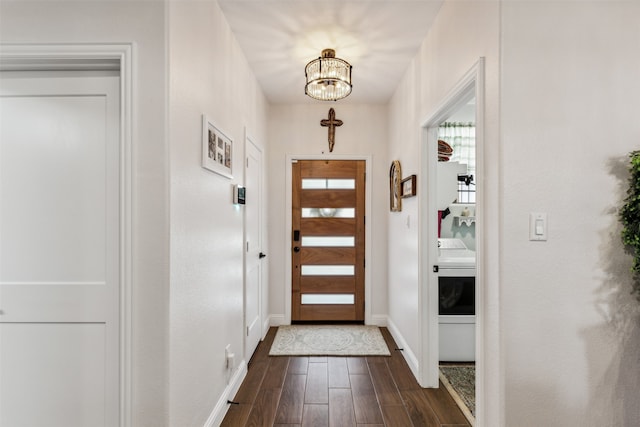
395	189
409	186
331	123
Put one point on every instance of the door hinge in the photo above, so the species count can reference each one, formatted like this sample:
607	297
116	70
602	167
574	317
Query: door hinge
247	331
364	263
247	246
247	162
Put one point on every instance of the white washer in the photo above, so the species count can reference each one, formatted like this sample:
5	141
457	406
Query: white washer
456	284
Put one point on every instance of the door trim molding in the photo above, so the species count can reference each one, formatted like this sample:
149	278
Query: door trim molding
470	85
290	158
85	56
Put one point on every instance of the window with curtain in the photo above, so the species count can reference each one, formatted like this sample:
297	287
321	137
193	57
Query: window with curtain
462	138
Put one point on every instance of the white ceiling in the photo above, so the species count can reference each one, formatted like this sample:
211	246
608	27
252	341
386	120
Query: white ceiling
377	37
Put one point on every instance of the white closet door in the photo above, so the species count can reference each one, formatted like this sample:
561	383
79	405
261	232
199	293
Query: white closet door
254	257
59	249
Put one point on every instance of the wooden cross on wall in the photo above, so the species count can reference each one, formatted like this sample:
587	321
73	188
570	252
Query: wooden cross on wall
331	123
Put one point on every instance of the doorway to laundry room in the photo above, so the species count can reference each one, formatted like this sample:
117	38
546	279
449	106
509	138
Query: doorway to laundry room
456	261
450	241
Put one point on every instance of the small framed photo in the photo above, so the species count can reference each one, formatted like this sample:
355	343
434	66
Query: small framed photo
409	187
217	149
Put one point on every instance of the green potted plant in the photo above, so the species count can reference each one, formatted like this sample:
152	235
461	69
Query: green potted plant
630	218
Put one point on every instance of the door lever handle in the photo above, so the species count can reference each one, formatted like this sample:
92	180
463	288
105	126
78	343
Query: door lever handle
261	255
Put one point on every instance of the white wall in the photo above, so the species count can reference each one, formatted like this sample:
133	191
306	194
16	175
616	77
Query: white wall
296	130
141	22
570	100
208	74
463	32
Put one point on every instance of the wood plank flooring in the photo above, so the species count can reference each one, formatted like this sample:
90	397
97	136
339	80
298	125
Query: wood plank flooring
337	392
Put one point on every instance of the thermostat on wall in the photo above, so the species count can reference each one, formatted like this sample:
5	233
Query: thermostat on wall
239	194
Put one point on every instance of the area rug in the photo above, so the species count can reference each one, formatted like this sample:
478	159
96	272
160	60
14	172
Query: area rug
460	380
329	340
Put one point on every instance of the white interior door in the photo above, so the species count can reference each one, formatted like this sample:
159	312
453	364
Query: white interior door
59	249
254	255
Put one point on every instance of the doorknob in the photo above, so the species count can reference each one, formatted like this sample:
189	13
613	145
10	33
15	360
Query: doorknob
261	255
296	249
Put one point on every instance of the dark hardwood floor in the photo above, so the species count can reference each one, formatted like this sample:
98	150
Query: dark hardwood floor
337	391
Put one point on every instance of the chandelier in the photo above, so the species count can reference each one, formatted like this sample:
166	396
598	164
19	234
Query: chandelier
328	77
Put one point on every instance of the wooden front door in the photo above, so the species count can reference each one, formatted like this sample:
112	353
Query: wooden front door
327	244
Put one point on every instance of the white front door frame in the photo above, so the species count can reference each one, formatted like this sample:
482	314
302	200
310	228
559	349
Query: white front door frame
86	57
291	158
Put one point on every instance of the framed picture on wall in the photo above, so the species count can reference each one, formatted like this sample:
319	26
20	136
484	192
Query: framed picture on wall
395	189
409	187
217	149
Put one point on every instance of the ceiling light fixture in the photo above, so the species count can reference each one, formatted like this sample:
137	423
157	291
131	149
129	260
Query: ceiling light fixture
328	77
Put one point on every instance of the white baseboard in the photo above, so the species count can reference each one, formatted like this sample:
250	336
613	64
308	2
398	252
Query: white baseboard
276	320
220	410
265	326
378	320
409	356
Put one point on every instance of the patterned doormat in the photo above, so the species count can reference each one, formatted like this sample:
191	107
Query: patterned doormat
329	340
460	380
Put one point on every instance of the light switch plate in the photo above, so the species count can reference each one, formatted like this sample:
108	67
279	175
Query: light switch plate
537	226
